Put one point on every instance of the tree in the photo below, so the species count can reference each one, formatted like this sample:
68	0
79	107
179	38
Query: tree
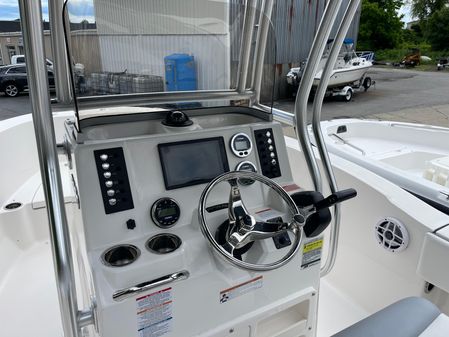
380	24
438	29
423	9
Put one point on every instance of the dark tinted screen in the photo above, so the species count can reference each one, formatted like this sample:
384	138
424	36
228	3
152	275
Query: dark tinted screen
192	162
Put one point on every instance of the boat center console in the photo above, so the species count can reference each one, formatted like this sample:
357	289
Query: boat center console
158	265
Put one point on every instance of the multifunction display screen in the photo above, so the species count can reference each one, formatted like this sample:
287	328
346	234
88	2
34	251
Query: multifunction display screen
192	162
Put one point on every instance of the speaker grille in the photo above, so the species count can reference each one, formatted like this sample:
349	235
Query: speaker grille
392	234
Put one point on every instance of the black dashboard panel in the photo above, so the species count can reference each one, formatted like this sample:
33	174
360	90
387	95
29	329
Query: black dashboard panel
114	182
192	162
266	149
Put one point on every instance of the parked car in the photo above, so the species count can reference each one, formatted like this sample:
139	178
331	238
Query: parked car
18	59
13	79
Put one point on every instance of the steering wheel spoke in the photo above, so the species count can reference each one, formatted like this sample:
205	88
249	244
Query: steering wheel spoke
236	208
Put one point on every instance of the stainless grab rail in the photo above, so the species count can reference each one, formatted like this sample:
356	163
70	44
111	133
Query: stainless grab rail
311	68
321	145
424	127
123	294
154	98
32	30
344	141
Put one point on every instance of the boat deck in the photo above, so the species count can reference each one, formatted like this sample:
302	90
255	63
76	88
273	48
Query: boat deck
31	281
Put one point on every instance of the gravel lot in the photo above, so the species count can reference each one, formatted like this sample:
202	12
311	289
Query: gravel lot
399	95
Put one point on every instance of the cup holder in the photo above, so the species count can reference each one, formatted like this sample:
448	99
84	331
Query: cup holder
120	256
163	243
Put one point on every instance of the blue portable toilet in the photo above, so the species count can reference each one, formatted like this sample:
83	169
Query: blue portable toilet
180	72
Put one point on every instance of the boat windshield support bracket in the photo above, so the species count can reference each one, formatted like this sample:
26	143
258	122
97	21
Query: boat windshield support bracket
245	47
33	40
261	45
60	68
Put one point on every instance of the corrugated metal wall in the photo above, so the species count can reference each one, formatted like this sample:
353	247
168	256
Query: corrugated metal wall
144	54
294	25
136	36
161	17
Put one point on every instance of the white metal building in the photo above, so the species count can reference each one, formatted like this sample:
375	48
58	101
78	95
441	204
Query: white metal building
143	34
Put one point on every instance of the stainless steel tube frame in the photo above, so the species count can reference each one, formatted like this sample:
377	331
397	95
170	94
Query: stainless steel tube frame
32	30
245	45
153	98
261	44
60	67
317	106
280	115
318	46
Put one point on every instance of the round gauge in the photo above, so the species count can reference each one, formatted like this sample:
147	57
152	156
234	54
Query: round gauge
165	212
241	145
246	166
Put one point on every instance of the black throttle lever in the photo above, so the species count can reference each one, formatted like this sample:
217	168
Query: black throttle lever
317	222
335	198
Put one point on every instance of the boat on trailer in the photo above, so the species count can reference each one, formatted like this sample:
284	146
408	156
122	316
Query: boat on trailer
134	218
349	73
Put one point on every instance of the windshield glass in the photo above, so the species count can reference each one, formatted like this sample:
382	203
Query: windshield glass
157	46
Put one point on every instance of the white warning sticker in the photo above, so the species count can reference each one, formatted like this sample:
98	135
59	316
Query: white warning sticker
241	289
311	253
154	313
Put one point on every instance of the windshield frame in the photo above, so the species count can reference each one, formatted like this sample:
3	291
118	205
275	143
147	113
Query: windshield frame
257	16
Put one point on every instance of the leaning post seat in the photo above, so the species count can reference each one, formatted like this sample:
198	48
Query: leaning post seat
409	317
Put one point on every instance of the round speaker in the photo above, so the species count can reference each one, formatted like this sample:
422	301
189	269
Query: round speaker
392	234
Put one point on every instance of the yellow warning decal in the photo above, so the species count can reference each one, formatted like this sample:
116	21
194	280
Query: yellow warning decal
308	247
311	253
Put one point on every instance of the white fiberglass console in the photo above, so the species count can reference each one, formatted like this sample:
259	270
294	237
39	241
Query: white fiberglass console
154	272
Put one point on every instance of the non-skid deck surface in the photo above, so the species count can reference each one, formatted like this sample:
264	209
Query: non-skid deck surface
28	297
336	311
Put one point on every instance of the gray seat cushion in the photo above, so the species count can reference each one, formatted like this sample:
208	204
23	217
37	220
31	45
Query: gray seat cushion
406	318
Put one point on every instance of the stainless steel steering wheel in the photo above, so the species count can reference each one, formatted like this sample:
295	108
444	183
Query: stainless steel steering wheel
243	226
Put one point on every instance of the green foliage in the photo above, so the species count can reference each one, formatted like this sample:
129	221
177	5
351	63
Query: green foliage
438	29
380	25
412	36
395	55
422	9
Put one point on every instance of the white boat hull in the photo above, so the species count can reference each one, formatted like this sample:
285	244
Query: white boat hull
410	155
345	76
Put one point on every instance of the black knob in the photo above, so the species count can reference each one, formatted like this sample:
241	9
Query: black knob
131	224
177	119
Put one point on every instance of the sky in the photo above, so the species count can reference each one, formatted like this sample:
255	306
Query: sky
405	10
84	9
79	10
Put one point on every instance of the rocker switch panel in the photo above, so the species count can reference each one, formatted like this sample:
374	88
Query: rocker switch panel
113	178
266	149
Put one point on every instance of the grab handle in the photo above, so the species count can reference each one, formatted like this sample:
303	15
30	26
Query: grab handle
123	294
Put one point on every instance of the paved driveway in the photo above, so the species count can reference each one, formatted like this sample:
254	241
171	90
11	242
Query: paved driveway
14	106
399	95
